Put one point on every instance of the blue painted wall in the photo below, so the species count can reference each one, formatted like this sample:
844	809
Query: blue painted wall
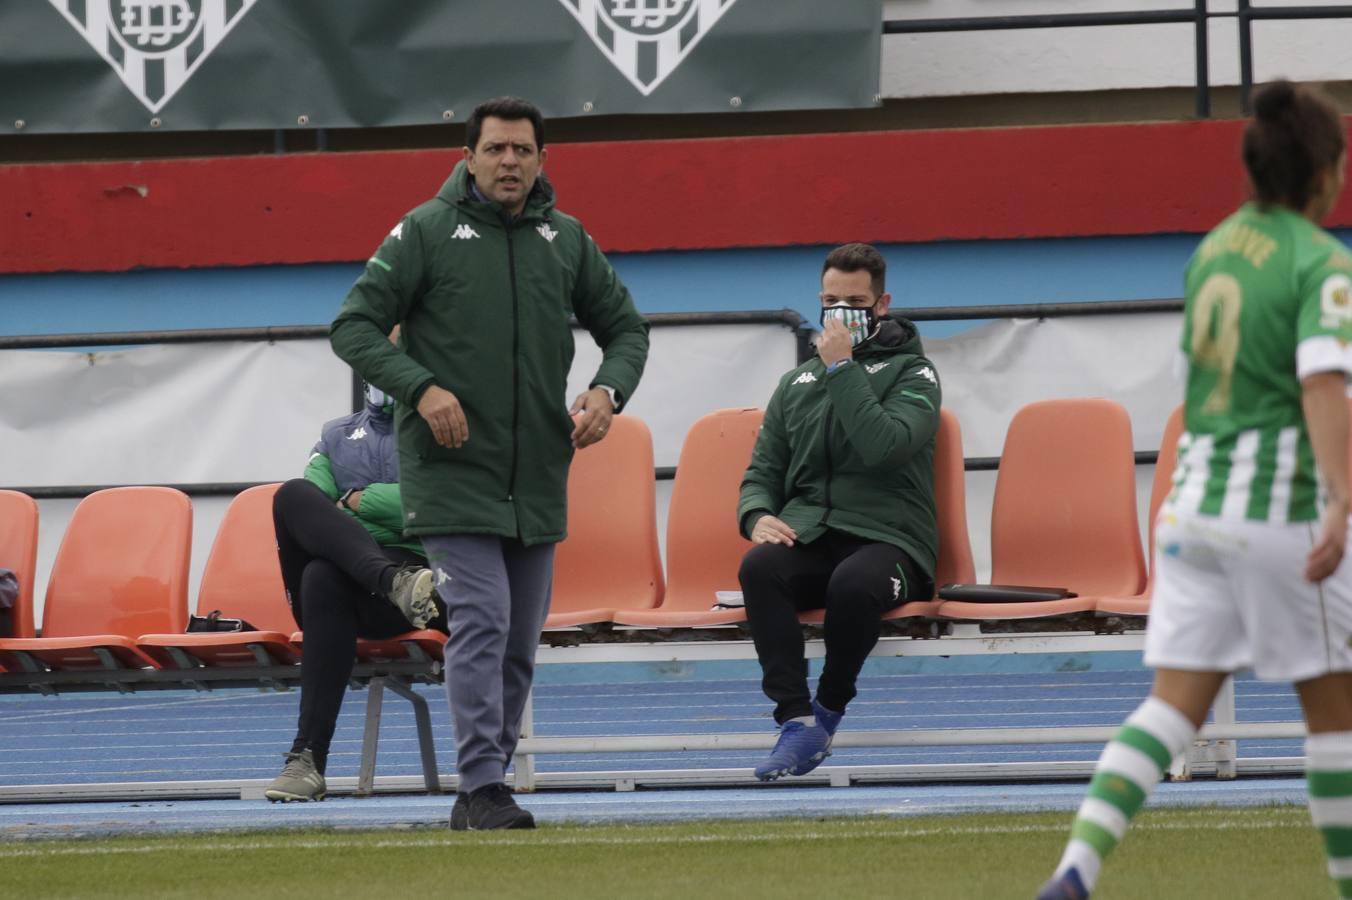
957	273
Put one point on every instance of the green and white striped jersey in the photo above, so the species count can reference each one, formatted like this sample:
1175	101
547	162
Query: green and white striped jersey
1269	301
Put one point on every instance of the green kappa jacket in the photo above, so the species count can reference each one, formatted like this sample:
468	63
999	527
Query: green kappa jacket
853	450
485	306
381	514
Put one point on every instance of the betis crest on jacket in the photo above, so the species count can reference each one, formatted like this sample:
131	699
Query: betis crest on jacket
154	46
647	39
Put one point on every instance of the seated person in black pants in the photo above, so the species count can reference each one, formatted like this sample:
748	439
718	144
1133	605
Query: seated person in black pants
839	500
349	573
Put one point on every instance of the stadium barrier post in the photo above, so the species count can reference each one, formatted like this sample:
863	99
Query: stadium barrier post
427	749
366	774
523	764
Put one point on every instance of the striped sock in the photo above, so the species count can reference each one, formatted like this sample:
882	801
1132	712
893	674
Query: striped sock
1132	764
1328	770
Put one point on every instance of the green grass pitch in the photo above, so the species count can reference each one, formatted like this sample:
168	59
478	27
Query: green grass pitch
1185	853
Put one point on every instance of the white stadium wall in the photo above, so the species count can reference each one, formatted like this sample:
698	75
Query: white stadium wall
1098	58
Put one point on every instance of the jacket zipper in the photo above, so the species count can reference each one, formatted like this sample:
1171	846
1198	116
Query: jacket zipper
826	444
516	364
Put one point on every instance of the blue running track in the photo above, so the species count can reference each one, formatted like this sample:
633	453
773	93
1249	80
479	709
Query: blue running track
230	735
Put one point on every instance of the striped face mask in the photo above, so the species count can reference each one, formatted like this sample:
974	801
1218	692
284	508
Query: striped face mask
860	322
378	398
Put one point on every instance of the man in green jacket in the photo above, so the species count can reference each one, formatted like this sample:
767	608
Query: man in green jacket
839	500
484	278
348	573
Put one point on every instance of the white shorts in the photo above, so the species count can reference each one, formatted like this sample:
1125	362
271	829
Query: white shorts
1230	595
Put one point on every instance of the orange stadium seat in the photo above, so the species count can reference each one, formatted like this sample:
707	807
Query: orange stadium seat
704	546
121	571
610	560
242	580
950	506
1139	604
1064	513
19	553
411	645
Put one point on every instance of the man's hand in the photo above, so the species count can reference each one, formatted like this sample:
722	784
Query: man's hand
353	501
444	416
591	412
1327	552
833	344
770	530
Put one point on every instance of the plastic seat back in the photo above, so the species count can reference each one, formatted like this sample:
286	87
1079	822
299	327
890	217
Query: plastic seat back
1064	513
19	553
122	567
610	559
1164	472
243	578
950	502
704	546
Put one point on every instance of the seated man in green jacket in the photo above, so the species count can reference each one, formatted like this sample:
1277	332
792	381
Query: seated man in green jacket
839	500
348	573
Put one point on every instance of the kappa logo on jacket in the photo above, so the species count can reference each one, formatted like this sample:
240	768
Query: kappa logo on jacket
464	233
397	232
928	374
805	378
357	435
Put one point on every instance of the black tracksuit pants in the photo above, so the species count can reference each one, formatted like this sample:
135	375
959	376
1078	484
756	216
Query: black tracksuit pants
855	580
336	578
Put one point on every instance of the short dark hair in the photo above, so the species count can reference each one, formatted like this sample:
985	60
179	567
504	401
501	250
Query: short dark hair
509	108
857	258
1295	134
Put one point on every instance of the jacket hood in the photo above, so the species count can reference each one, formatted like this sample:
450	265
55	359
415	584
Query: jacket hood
456	191
895	335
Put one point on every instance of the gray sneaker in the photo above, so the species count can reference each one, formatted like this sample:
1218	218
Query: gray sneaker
412	592
300	780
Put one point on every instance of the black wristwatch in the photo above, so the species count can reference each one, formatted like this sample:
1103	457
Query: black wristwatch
342	501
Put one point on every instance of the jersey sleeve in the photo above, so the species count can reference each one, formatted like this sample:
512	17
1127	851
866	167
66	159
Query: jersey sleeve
1324	323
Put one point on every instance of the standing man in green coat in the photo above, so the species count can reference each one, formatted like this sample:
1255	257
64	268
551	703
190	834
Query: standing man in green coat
484	279
839	501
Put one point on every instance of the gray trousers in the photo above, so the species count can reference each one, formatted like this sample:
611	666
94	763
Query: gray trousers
497	596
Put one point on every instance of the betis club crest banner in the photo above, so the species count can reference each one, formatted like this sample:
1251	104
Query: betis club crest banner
133	65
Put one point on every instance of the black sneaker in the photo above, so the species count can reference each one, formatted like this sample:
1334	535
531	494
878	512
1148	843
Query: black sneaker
460	812
491	807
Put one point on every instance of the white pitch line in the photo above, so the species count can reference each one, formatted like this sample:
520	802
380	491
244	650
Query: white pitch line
548	840
863	704
87	711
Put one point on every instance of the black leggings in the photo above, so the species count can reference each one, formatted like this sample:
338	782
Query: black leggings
855	580
336	578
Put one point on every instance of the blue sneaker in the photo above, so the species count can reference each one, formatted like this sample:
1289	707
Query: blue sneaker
827	719
799	750
1066	886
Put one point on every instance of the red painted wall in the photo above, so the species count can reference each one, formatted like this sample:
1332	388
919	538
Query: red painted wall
903	186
